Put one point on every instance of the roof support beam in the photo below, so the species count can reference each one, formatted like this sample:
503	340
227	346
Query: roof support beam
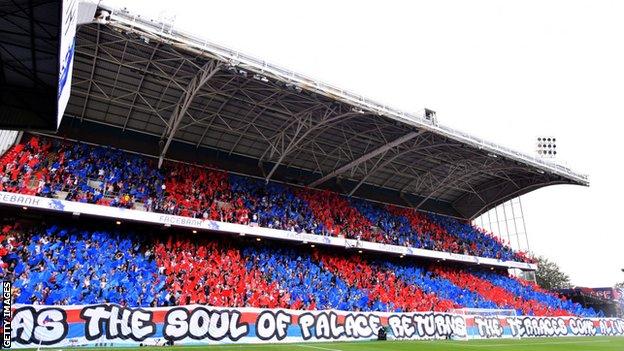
204	75
439	185
407	137
95	57
453	178
376	167
497	193
387	162
139	86
301	133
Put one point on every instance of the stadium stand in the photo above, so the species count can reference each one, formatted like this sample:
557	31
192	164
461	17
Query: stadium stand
221	252
64	264
105	176
338	217
97	175
273	205
530	291
199	193
479	241
67	266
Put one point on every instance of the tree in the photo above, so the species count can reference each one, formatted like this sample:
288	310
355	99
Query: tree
549	276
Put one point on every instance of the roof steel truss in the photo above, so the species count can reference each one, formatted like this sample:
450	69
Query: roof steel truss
132	77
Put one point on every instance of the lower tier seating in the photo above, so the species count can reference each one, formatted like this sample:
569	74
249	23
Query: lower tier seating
64	263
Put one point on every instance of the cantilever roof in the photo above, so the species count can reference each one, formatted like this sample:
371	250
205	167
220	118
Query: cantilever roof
143	76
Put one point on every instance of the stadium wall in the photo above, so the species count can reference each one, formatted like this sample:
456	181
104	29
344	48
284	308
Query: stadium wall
114	325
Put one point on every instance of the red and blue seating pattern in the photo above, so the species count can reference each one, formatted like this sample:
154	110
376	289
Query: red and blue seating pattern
66	264
51	167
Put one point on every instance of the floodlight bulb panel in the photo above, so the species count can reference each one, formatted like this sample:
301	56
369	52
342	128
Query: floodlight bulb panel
545	146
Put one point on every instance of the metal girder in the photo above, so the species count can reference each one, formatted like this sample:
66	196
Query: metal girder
441	184
301	133
497	194
204	75
351	143
443	163
139	86
97	46
388	161
267	117
451	180
280	135
407	137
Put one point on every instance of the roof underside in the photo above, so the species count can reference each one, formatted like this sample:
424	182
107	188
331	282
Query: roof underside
135	81
29	64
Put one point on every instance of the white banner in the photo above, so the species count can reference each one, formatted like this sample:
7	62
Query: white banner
114	325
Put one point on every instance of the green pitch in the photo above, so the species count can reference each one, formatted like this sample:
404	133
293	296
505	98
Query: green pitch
539	344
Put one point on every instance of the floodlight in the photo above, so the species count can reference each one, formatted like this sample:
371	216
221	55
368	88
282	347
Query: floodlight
546	147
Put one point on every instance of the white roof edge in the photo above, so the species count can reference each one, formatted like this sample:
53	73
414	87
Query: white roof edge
160	31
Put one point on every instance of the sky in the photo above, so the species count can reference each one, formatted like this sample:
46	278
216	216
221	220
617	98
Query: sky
507	71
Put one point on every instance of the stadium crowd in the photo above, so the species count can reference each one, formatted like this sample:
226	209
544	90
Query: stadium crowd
531	292
273	205
498	294
67	266
199	193
338	217
80	172
210	272
85	173
307	283
383	284
64	264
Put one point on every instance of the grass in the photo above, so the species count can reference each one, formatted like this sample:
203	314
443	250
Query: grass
537	344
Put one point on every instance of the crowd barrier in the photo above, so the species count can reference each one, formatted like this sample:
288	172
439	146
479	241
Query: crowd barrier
114	325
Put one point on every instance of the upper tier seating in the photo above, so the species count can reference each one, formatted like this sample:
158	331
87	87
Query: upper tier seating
106	176
338	217
199	193
479	241
90	174
273	205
